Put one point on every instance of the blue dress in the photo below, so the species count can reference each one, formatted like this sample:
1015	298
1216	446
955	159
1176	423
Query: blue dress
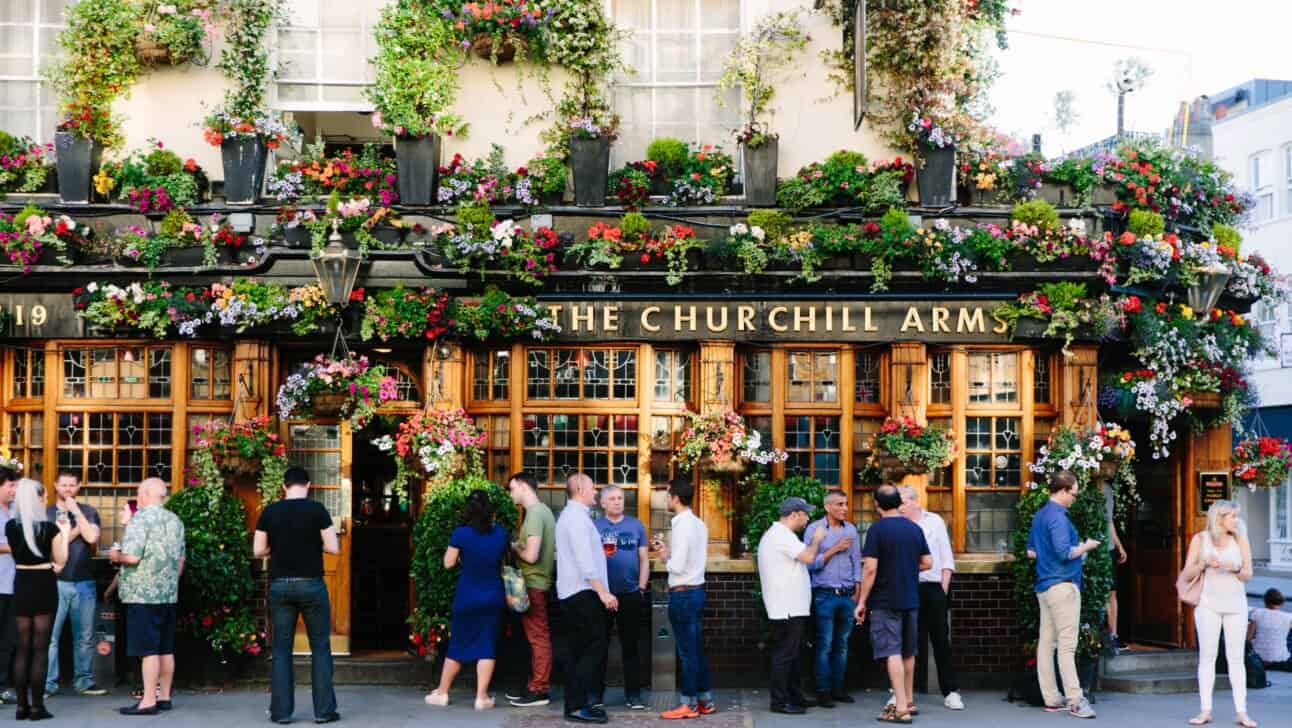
479	601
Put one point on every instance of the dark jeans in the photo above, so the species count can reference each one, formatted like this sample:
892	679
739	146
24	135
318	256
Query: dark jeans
8	639
628	622
787	643
585	619
834	622
686	614
308	599
934	627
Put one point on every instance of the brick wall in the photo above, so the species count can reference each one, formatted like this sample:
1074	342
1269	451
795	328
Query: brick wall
984	632
735	625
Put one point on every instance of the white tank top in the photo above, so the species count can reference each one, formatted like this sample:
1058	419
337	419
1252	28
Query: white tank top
1222	591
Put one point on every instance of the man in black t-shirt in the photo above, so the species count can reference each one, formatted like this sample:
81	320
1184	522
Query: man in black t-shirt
294	533
892	559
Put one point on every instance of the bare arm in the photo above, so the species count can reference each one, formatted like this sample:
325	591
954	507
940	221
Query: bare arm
946	580
1245	547
643	567
260	544
1193	562
330	543
926	562
1251	630
85	528
60	548
529	552
870	566
808	554
451	555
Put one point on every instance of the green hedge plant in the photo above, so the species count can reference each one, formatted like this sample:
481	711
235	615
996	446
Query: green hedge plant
669	154
764	508
1145	223
1038	213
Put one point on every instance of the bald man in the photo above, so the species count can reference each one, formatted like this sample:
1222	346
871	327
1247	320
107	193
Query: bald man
152	559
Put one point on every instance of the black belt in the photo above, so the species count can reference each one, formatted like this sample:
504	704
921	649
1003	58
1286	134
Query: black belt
296	578
843	591
688	587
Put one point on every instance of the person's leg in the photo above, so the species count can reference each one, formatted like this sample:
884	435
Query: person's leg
703	679
1235	631
165	675
1045	654
151	669
686	636
629	620
484	676
166	652
778	640
1112	608
283	613
843	624
39	659
585	629
908	675
1208	624
923	616
22	661
448	675
316	610
8	639
1065	610
83	647
797	634
910	617
939	627
540	642
897	680
66	605
823	617
598	693
593	654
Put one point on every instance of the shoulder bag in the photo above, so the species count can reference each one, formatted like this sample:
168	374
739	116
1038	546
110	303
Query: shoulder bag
513	586
1188	585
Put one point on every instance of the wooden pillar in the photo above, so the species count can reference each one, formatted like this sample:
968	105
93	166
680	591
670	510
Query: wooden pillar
444	371
909	397
717	393
1080	389
645	431
253	379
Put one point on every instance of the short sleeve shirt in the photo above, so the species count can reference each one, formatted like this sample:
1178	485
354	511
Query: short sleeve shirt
540	522
1271	638
156	536
624	567
78	551
786	585
294	527
897	544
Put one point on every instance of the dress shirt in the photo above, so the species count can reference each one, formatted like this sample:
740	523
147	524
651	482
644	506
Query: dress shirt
1053	537
935	532
687	551
579	558
843	570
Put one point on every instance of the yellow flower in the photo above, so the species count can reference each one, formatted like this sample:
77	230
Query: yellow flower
1185	311
103	183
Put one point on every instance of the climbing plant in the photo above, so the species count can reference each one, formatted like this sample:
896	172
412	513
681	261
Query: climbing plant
97	68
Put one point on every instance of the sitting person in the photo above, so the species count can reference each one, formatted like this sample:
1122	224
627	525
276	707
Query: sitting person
1268	631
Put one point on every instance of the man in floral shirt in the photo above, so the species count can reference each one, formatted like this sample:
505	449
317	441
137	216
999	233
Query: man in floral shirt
152	558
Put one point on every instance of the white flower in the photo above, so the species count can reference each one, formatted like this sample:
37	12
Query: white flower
92	287
739	229
758	233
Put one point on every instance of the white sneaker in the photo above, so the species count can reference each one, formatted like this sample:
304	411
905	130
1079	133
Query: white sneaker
435	697
953	701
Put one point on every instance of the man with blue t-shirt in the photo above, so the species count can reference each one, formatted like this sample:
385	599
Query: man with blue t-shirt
628	570
892	559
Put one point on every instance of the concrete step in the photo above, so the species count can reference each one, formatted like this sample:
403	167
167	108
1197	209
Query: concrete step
1146	663
1163	683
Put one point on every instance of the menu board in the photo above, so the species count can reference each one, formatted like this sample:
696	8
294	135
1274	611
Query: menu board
1212	487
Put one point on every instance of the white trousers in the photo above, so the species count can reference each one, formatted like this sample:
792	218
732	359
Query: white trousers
1235	630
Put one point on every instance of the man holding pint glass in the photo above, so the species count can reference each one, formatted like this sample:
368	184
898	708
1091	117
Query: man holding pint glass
623	539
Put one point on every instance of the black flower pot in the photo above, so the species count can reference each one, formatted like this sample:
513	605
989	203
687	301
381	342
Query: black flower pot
418	160
187	257
49	256
244	169
390	237
590	161
78	160
297	237
937	177
760	174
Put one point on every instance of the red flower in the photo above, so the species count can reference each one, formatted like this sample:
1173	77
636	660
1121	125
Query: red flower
356	296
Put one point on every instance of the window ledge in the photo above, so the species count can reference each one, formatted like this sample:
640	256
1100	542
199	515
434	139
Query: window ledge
984	563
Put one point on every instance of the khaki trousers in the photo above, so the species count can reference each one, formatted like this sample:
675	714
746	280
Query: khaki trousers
1060	625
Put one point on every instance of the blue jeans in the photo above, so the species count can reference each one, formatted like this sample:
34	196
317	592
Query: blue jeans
308	599
77	599
686	614
834	622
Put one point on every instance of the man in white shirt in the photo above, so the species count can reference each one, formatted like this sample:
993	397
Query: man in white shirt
935	584
585	598
684	559
787	594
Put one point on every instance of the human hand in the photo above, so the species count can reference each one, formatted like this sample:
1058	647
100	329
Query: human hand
114	555
64	526
1121	555
1031	554
859	613
1091	544
842	546
661	550
609	601
1213	562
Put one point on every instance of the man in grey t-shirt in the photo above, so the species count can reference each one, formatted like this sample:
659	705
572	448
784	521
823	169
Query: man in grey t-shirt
76	589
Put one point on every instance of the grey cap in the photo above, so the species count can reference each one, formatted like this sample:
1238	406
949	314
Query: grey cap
794	503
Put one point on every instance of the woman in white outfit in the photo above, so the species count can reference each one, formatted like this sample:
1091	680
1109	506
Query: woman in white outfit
1224	557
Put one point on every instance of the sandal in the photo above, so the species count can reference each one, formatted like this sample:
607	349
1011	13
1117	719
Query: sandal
1244	721
1202	718
485	704
890	715
435	697
912	710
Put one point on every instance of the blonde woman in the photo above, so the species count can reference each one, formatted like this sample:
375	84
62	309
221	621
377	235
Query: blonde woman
39	547
1223	556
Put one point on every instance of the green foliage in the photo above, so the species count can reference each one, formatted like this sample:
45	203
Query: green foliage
1145	223
846	158
897	223
416	70
1038	213
772	43
670	154
433	585
245	58
765	505
1078	172
98	66
1227	236
776	223
475	219
635	226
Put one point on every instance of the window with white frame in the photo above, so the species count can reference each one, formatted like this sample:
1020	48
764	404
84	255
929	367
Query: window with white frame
1263	185
675	49
28	42
323	52
1287	179
1267	318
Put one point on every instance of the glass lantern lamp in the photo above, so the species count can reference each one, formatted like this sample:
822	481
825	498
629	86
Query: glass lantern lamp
337	269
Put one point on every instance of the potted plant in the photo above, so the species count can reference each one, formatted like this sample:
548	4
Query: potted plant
542	181
1263	462
437	445
24	165
173	32
244	144
667	157
30	238
590	137
415	86
721	442
500	30
936	172
772	44
326	387
902	446
78	151
405	313
498	316
1116	449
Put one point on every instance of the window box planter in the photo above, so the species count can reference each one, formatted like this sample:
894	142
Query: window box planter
760	173
1058	194
1072	264
244	169
633	262
974	197
1103	195
297	238
49	256
936	176
390	237
188	257
590	162
78	160
418	163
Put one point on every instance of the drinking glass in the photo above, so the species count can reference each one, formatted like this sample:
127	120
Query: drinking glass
609	544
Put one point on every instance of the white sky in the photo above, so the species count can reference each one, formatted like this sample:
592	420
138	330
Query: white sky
1194	47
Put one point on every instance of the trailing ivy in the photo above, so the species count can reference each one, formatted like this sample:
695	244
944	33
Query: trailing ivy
98	67
245	58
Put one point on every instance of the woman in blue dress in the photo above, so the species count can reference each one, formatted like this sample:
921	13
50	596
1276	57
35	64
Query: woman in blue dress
478	546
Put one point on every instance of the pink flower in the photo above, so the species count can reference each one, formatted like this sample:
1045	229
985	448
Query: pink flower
376	120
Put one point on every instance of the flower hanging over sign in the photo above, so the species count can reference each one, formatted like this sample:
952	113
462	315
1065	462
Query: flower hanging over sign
1263	462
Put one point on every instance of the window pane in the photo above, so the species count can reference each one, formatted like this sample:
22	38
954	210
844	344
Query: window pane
538	374
980	377
1004	377
758	376
1041	378
989	519
867	377
940	377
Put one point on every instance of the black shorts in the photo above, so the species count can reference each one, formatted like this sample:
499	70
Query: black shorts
150	629
35	591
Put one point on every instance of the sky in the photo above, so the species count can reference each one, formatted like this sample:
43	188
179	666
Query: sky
1193	46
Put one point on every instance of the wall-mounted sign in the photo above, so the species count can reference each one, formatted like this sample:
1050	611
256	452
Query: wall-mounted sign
771	321
1212	487
38	315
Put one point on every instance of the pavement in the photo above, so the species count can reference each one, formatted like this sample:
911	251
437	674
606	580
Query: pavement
382	707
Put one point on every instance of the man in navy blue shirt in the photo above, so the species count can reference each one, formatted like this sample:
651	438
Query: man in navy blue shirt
892	559
1054	544
628	569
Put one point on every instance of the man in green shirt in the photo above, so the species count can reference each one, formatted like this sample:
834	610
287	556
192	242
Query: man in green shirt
535	545
152	559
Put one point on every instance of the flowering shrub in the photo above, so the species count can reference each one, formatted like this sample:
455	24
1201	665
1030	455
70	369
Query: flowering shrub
1179	184
222	126
594	126
484	180
366	174
914	445
153	179
498	316
438	444
23	236
1251	278
255	443
354	216
722	440
542	178
930	132
7	460
364	386
479	243
1066	308
401	313
672	243
150	306
845	179
1264	461
181	27
24	164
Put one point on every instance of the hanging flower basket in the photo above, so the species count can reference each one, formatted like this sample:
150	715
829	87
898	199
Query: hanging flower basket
235	465
1204	400
483	46
729	466
1108	469
436	446
904	447
721	442
1263	462
328	404
151	53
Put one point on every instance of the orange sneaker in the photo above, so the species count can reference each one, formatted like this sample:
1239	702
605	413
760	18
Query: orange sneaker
707	707
680	712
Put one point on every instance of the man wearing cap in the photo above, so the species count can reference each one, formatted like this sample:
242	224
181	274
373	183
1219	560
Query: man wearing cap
787	594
